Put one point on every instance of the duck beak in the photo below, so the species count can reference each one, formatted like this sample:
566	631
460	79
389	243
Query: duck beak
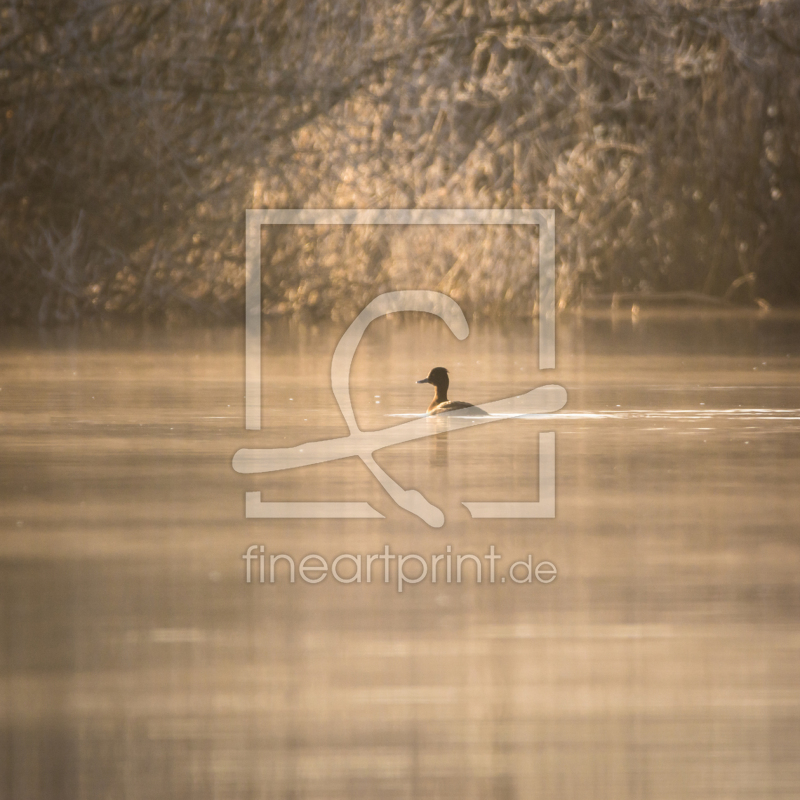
424	380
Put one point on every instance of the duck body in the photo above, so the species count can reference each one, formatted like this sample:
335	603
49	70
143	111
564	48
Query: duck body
440	381
455	405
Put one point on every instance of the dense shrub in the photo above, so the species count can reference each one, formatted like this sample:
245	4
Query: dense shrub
133	136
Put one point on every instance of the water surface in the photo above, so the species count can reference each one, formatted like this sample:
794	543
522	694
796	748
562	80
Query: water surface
136	662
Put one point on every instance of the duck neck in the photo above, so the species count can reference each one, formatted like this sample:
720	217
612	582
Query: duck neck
439	394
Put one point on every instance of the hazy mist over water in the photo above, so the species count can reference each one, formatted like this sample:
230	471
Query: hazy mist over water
137	662
180	177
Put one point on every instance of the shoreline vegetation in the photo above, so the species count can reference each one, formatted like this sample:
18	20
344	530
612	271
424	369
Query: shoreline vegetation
132	138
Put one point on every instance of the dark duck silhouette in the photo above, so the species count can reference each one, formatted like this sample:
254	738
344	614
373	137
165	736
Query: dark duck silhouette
440	404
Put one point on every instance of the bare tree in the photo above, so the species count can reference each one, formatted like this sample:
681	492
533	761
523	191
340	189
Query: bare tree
132	138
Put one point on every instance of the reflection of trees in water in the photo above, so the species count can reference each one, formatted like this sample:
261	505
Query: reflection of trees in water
133	137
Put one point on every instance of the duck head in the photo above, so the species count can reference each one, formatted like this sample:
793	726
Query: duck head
438	378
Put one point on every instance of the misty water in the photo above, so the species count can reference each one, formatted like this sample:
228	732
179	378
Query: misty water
137	662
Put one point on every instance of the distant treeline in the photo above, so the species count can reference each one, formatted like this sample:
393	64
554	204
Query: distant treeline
134	135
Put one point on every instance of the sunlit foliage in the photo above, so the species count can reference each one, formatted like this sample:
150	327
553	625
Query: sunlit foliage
133	136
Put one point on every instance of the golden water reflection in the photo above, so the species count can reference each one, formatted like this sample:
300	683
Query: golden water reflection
661	663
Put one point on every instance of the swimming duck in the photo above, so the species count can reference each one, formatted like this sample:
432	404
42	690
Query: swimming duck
440	404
